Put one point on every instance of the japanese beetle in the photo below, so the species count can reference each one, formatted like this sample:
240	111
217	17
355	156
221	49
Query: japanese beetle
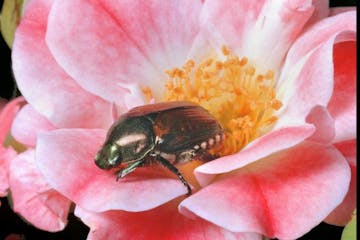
167	133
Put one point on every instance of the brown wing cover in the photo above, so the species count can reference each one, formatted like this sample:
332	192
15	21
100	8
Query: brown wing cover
158	107
184	127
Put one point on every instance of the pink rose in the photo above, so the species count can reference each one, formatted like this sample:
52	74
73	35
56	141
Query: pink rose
279	76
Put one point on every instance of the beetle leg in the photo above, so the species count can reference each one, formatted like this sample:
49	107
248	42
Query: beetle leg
176	171
128	169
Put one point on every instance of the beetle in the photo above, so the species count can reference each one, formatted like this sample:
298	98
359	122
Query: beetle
167	133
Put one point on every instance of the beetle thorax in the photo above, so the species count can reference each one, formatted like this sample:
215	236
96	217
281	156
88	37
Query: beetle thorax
135	138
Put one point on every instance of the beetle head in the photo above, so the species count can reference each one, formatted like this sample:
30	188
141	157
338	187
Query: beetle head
108	157
128	140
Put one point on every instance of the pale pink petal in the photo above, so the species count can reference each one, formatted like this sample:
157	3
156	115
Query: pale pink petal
344	212
8	112
27	124
66	159
324	124
7	116
6	155
163	222
33	198
342	105
309	66
300	85
228	21
261	30
131	43
338	10
348	149
321	10
263	146
320	33
284	195
44	84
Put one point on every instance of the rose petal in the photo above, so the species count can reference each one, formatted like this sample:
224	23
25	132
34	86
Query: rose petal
33	198
300	93
8	112
320	117
163	222
230	19
342	105
71	170
131	42
44	84
249	27
263	146
284	195
309	66
321	10
311	39
27	124
6	155
338	10
7	116
344	212
348	149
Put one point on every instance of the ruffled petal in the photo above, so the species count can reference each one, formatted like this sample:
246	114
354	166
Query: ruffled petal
324	124
44	84
6	155
130	44
71	170
8	112
338	10
342	105
27	124
264	146
260	30
284	195
321	10
163	222
309	67
7	116
311	39
344	212
33	198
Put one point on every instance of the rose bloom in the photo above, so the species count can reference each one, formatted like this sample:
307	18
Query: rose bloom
279	76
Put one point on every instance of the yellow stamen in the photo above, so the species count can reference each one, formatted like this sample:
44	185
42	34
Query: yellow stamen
242	100
147	92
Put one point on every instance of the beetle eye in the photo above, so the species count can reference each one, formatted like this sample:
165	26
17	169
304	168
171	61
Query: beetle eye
109	156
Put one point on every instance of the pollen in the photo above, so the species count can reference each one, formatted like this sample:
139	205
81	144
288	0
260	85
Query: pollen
241	99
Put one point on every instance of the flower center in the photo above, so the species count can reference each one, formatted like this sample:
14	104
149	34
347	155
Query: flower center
243	101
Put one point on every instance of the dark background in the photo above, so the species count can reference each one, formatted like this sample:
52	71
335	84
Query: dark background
12	223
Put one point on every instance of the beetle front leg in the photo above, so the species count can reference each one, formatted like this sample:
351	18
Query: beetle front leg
128	169
176	171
